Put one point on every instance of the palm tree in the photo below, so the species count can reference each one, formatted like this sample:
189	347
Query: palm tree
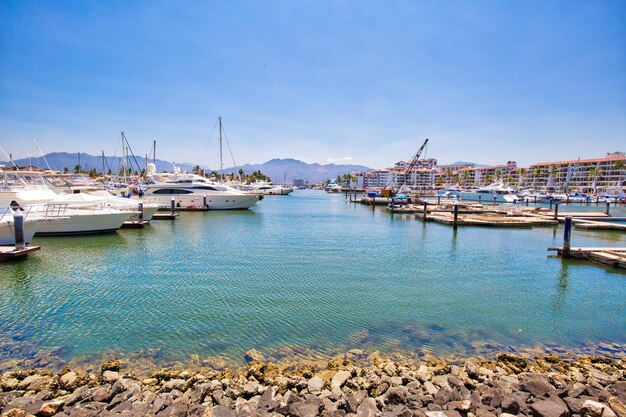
537	173
498	174
241	174
465	175
594	174
522	174
488	177
554	170
620	165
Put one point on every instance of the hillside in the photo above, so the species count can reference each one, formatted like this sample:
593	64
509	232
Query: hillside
277	169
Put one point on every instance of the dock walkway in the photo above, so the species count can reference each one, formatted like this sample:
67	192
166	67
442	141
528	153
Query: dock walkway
609	256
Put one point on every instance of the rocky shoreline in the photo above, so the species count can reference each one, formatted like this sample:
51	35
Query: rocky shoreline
353	384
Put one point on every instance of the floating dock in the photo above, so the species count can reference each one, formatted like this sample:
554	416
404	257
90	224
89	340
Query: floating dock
164	216
598	225
610	256
10	252
489	220
135	224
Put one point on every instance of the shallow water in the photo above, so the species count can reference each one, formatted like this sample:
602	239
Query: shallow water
308	270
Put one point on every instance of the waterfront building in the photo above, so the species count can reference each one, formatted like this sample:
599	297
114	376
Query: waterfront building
298	182
607	174
478	176
419	179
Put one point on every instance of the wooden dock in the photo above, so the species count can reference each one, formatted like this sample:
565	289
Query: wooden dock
610	256
9	252
598	225
164	216
134	224
489	220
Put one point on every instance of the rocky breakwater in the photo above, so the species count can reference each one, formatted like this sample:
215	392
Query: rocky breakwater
355	384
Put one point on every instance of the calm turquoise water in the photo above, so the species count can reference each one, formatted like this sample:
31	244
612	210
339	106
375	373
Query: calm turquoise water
307	270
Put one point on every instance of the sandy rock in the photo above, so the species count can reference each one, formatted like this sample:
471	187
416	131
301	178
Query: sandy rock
315	385
48	409
549	408
339	379
254	355
111	376
618	407
173	384
595	409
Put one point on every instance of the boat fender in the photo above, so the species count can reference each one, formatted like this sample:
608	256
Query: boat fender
178	204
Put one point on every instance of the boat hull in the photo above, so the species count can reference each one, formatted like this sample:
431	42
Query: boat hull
7	232
83	223
487	197
213	202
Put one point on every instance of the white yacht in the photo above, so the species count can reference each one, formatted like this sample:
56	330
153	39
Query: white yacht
60	215
72	184
267	188
490	194
192	191
333	187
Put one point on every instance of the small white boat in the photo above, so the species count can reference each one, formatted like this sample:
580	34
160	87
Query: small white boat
490	194
267	188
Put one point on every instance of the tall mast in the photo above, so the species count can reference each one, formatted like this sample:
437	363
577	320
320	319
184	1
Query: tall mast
154	153
123	158
221	159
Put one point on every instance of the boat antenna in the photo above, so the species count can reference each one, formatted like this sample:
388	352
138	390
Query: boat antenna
42	155
221	159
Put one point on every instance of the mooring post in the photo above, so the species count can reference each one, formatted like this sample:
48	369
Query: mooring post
18	224
425	210
608	204
551	203
527	200
556	211
140	211
494	199
438	199
479	198
535	199
456	215
567	199
173	205
204	204
567	237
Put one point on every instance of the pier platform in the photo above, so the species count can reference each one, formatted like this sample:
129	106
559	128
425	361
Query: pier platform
609	256
598	225
135	224
164	216
9	252
488	220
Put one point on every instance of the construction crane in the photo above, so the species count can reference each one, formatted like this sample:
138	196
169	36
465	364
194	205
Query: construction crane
412	166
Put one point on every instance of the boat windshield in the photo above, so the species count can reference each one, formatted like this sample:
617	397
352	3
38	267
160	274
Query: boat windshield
12	180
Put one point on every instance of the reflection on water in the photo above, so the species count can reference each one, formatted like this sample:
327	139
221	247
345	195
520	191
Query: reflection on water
305	274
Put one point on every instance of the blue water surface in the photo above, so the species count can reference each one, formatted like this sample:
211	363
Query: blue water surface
309	270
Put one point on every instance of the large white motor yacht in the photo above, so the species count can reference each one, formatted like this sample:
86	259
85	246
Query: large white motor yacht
490	194
192	191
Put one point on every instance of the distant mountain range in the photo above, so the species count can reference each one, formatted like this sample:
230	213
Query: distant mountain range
277	169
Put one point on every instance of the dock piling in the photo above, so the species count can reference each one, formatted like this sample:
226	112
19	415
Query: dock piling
527	200
438	199
567	237
173	205
551	200
140	211
456	216
425	209
608	204
18	224
495	198
556	211
204	204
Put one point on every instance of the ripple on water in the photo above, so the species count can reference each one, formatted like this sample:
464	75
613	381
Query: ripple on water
307	274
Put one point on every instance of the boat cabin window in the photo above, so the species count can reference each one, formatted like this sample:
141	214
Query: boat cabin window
172	191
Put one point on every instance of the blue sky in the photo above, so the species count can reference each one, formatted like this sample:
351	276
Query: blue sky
345	81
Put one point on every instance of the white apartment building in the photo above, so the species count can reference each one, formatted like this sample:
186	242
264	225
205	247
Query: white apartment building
606	174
